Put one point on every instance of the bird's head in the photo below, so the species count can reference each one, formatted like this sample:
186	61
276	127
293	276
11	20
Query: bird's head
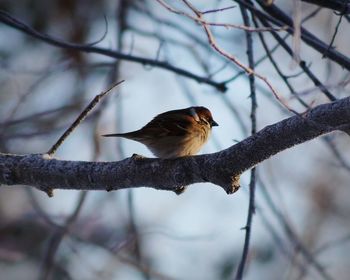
203	116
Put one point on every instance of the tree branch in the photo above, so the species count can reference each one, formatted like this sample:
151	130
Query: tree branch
17	24
253	117
222	168
342	6
280	18
301	63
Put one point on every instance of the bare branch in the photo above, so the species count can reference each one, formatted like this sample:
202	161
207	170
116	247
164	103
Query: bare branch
301	63
80	118
224	53
15	23
221	168
199	19
341	6
279	17
252	183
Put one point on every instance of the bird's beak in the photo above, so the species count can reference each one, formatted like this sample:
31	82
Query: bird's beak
214	123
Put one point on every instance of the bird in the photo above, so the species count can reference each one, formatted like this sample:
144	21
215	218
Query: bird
175	133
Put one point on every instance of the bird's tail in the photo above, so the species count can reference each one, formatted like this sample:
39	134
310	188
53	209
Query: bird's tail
113	135
128	135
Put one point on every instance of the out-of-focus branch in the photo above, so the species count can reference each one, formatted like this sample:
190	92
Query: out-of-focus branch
56	238
309	258
17	24
282	19
301	63
341	6
222	168
224	53
252	183
202	21
276	46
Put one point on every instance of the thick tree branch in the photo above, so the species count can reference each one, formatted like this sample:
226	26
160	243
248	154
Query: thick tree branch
221	168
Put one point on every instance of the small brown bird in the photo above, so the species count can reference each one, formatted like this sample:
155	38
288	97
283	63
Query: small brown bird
174	133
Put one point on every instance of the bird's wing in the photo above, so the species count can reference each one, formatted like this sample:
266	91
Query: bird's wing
172	123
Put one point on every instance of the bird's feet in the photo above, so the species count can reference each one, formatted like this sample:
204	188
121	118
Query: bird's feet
180	190
137	157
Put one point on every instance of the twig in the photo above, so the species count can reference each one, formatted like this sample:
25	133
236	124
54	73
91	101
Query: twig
15	23
121	16
199	19
274	48
277	15
36	116
22	100
258	62
80	118
30	134
333	37
39	210
277	68
302	64
252	184
288	230
219	10
56	238
248	70
341	85
341	6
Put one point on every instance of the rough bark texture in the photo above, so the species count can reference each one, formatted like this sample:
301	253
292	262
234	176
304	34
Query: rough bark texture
222	168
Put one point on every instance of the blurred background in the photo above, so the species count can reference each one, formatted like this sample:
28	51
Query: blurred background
300	229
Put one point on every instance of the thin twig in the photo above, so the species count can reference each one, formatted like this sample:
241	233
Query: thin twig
21	101
80	118
339	6
274	48
122	15
252	184
35	116
219	10
277	68
277	15
199	19
302	64
56	238
248	70
289	232
15	23
333	37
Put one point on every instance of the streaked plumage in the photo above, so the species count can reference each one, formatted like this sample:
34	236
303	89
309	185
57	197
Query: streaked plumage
174	133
